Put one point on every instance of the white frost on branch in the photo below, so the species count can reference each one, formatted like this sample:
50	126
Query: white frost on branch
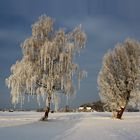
119	78
47	65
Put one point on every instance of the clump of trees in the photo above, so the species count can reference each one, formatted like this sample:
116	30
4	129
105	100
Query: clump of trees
47	66
119	77
97	106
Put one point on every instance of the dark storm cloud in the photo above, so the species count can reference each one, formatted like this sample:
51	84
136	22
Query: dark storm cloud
105	22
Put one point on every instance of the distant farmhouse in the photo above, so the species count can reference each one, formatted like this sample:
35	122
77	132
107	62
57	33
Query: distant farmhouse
91	107
85	109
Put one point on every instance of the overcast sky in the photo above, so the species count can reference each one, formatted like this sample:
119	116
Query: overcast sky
106	22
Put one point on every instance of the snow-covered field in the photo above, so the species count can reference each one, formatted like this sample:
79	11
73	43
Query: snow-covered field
68	126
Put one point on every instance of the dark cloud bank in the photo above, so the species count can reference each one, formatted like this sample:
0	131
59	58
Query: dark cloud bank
105	23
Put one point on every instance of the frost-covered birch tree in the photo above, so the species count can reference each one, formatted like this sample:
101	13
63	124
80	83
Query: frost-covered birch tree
47	66
119	77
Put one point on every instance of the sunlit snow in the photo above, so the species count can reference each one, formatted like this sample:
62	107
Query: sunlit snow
69	126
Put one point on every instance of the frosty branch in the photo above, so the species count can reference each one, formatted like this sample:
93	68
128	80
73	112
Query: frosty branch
119	76
47	64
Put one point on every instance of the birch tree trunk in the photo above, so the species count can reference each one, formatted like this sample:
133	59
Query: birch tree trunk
120	112
45	117
122	108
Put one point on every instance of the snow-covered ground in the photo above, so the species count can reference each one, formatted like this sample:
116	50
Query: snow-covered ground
68	126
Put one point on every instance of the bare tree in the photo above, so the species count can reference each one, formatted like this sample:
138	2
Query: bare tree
119	76
47	66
